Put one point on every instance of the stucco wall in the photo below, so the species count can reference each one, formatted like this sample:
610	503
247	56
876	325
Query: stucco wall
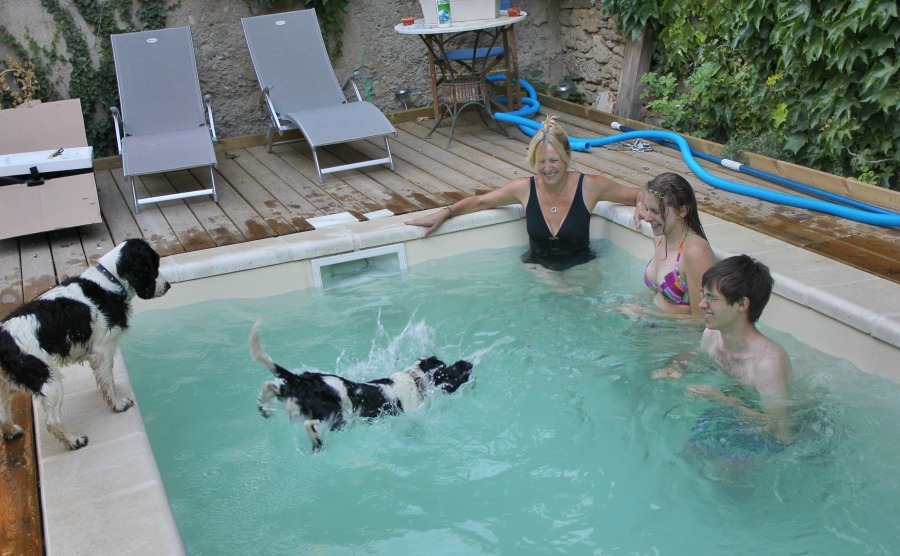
559	38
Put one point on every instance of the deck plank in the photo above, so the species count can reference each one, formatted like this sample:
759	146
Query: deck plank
20	523
289	197
214	217
152	224
377	184
187	228
11	295
116	208
95	241
865	252
278	164
20	511
38	274
467	153
68	254
445	181
395	192
279	217
173	216
342	195
229	221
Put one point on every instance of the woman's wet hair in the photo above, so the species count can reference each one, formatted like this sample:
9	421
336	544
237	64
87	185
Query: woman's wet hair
553	134
738	277
674	192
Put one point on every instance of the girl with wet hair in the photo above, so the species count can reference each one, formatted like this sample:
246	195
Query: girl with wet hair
682	253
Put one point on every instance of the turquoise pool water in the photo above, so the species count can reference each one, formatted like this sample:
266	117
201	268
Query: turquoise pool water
563	445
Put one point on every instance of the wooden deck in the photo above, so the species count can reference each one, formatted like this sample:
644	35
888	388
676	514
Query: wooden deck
265	195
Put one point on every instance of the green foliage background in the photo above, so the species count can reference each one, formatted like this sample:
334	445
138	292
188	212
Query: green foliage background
331	15
93	83
812	81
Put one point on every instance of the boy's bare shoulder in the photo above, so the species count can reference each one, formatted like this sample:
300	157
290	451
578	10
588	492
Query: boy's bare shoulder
772	369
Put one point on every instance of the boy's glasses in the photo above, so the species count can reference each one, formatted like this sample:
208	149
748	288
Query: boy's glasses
709	298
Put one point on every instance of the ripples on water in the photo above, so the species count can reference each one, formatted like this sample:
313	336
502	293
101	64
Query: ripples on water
563	443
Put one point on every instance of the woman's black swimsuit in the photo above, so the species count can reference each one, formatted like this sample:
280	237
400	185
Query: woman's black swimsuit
570	246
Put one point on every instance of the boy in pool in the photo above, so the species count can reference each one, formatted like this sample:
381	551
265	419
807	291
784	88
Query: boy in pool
734	293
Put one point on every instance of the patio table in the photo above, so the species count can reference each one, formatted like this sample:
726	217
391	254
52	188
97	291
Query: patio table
481	59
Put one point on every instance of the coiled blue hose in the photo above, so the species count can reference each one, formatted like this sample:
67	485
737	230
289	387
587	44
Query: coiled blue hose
877	216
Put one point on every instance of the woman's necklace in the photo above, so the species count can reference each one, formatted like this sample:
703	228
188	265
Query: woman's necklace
553	208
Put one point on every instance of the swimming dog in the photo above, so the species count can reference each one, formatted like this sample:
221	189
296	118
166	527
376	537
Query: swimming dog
326	400
80	320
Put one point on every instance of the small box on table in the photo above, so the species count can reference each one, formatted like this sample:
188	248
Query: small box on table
462	10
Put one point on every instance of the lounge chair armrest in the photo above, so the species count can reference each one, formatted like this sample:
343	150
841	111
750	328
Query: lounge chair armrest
114	110
351	80
207	99
273	114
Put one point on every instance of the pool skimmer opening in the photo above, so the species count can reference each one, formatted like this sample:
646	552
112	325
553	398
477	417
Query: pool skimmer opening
353	268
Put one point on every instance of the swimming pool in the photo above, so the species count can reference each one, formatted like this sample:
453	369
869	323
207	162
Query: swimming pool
563	444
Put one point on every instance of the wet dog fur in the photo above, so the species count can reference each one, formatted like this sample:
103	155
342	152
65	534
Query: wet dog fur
324	401
80	320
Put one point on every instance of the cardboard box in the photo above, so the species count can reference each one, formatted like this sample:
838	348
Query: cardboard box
462	10
61	202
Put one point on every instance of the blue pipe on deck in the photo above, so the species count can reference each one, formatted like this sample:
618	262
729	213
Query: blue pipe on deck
530	127
773	178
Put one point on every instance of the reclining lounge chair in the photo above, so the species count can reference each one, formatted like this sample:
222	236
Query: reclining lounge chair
300	89
164	124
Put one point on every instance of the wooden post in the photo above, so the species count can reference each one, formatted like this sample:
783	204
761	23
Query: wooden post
636	63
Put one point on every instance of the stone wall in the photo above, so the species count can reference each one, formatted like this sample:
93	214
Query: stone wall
594	50
559	38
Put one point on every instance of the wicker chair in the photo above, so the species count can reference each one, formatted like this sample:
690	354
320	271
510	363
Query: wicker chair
462	83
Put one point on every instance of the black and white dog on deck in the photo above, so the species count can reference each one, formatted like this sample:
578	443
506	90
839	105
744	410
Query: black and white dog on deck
81	319
324	400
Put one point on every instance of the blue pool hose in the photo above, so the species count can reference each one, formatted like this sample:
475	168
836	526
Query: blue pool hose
791	184
866	214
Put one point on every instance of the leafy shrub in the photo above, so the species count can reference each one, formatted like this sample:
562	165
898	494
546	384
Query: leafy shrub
820	80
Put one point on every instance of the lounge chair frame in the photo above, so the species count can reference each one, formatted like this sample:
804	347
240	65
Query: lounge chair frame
178	135
309	47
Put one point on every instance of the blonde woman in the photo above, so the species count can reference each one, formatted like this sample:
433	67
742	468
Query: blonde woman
558	202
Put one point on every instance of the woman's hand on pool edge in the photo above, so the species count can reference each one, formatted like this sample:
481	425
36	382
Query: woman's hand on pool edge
431	221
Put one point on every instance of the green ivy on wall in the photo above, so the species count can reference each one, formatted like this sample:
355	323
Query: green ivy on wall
818	82
42	89
331	14
92	82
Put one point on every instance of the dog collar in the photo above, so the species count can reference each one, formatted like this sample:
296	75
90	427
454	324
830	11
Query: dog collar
109	275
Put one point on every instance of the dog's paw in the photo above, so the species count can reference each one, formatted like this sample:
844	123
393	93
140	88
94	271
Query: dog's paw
76	442
312	429
265	411
12	432
122	404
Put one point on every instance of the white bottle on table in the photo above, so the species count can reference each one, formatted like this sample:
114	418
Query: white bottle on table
443	13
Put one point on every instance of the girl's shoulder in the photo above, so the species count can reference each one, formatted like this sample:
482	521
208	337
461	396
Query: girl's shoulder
697	255
694	244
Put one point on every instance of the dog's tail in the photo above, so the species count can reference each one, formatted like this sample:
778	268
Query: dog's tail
257	351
